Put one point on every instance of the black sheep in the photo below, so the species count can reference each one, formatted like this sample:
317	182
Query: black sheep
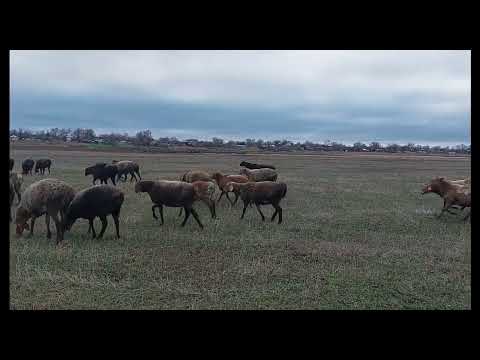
43	164
103	172
249	165
27	166
98	200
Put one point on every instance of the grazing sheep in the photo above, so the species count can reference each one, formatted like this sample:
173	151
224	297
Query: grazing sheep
103	172
27	166
12	162
452	194
98	200
17	181
12	196
49	197
259	174
171	194
192	176
261	193
223	180
43	164
126	167
249	165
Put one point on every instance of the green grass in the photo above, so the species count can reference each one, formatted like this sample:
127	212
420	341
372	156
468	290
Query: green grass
357	234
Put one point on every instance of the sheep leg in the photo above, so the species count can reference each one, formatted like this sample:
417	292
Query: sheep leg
245	205
58	227
467	216
229	200
153	211
260	211
236	199
138	173
280	211
161	213
187	215
113	180
47	222
218	200
445	208
49	170
274	214
90	226
117	225
104	226
32	224
195	215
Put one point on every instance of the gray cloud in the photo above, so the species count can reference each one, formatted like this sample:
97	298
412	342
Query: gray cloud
341	95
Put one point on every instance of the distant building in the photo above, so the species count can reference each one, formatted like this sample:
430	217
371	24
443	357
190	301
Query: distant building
13	138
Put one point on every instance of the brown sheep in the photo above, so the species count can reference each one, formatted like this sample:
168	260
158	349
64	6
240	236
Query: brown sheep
49	197
171	194
256	175
223	180
17	181
452	194
261	193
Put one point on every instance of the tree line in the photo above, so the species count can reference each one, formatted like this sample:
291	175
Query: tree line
145	138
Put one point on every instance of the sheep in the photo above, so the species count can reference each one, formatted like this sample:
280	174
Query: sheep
204	191
259	174
27	166
17	181
103	172
171	194
97	200
261	193
196	175
192	176
41	165
249	165
12	162
452	194
223	180
12	196
126	167
49	197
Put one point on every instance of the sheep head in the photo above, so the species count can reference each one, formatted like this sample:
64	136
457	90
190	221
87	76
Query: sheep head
21	219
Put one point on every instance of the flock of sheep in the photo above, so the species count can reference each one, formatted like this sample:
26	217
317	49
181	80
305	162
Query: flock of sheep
256	184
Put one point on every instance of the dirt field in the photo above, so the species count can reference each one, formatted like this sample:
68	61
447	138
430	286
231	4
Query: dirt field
357	234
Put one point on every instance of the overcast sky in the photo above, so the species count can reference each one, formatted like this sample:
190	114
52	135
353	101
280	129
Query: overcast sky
347	96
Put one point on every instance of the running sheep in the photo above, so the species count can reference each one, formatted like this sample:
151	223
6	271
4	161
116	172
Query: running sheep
47	197
223	180
451	194
200	176
261	193
103	172
170	194
126	167
96	201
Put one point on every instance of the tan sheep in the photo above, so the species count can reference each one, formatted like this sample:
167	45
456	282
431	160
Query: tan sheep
49	197
17	181
256	175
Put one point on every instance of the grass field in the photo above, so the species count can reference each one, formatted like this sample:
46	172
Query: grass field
357	234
